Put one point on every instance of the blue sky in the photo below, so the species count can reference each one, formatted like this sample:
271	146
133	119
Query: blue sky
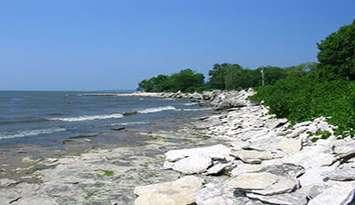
113	44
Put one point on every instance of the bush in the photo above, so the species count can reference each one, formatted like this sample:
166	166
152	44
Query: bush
305	98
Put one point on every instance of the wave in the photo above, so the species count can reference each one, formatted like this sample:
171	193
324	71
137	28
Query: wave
197	109
32	133
132	123
190	104
156	109
87	117
21	120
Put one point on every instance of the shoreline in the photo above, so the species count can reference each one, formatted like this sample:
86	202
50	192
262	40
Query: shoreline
35	179
240	147
264	159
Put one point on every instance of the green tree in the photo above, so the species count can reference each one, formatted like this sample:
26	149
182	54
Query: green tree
187	80
337	54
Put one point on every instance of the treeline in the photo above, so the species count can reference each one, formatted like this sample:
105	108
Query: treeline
186	81
328	89
223	77
299	93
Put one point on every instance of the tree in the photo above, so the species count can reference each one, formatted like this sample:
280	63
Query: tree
217	76
337	54
186	80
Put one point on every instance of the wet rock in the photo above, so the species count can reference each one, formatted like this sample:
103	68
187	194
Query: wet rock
180	192
118	128
337	194
130	113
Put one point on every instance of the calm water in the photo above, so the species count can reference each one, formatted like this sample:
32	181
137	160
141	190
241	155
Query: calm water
50	117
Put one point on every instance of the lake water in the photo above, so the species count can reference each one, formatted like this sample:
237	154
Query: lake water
47	118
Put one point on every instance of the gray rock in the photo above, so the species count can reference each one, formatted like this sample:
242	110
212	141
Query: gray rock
213	194
217	168
284	169
294	198
214	152
344	174
342	194
253	181
264	183
254	156
290	145
194	164
6	182
245	168
283	185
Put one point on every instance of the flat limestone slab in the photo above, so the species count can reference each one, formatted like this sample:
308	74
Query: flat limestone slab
218	151
180	192
192	165
338	194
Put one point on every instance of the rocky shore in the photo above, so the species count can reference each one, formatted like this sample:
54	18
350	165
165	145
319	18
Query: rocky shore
239	155
262	160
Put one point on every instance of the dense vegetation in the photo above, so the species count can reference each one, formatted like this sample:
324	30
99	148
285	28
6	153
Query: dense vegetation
299	93
186	81
327	89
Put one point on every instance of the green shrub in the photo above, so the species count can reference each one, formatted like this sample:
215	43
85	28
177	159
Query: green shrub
305	98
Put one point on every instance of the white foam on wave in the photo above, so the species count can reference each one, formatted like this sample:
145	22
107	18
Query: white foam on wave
31	133
197	109
156	109
88	117
133	123
190	104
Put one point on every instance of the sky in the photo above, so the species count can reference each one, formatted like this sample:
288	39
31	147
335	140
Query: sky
113	44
